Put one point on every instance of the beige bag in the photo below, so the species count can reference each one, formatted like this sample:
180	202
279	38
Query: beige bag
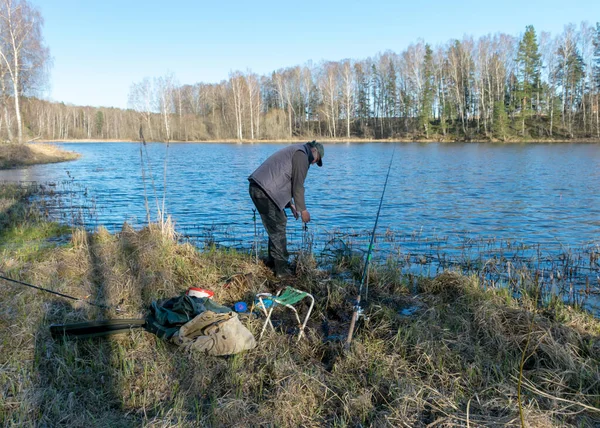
215	334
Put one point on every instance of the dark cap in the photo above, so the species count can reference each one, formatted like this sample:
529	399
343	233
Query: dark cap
320	149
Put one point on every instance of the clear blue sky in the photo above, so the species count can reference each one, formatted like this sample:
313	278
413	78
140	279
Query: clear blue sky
99	48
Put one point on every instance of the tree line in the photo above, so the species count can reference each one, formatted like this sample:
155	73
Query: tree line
498	87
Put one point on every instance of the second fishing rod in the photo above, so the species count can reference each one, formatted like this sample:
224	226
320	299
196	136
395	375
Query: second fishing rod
364	279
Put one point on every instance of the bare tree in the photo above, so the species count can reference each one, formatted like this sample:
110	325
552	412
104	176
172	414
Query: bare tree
141	99
165	101
22	52
237	83
586	42
463	88
287	85
348	90
329	86
411	78
308	92
253	86
570	72
461	72
4	81
483	81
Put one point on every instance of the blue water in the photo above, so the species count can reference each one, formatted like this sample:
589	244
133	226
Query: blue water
545	195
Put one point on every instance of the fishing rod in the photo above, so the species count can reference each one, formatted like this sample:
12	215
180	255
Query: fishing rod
255	234
99	305
357	308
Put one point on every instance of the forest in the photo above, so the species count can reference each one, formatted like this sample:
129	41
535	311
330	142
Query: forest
500	87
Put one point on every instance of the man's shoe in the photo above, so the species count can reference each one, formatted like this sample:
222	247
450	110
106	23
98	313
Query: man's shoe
282	270
284	274
270	263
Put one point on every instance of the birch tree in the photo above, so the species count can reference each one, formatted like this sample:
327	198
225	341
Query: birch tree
165	102
237	84
308	94
282	80
328	85
570	73
22	52
348	83
460	60
254	104
141	99
596	76
440	72
586	43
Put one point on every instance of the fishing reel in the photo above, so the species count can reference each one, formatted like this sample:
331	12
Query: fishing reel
360	312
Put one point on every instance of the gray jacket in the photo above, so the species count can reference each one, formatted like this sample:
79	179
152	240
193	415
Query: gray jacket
274	176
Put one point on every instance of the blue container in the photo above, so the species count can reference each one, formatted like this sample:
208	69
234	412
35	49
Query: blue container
267	303
240	307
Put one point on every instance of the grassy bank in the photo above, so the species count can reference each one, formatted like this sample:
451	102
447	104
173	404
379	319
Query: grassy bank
18	155
441	352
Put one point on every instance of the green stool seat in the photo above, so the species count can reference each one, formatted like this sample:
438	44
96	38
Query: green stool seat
290	296
287	297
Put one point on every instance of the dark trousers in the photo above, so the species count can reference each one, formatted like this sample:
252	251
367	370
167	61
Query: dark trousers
275	221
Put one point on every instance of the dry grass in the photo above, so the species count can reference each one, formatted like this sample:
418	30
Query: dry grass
18	155
453	362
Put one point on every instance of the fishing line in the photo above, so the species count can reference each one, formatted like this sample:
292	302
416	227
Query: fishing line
99	305
357	307
370	250
255	234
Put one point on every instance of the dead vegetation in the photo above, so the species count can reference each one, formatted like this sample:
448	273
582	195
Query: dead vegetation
453	359
13	155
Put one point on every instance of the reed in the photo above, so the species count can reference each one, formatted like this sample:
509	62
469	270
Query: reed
441	350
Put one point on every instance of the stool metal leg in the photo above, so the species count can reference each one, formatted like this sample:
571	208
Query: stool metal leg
312	303
301	325
268	314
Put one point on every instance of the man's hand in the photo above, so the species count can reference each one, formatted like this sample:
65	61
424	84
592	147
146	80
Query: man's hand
294	212
305	216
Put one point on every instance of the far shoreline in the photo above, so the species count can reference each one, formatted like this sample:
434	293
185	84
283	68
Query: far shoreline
331	141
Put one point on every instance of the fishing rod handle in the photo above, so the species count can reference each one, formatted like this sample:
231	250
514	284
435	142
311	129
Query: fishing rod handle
351	329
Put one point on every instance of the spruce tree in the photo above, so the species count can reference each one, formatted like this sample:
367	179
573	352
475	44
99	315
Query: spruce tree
391	93
500	126
528	75
428	91
99	122
362	96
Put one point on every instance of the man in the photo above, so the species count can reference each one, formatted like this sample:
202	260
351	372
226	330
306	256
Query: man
273	187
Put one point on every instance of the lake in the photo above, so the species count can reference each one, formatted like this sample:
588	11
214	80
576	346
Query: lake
537	204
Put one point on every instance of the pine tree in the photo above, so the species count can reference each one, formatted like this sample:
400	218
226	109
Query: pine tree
500	126
428	91
528	75
362	96
377	96
391	92
99	123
